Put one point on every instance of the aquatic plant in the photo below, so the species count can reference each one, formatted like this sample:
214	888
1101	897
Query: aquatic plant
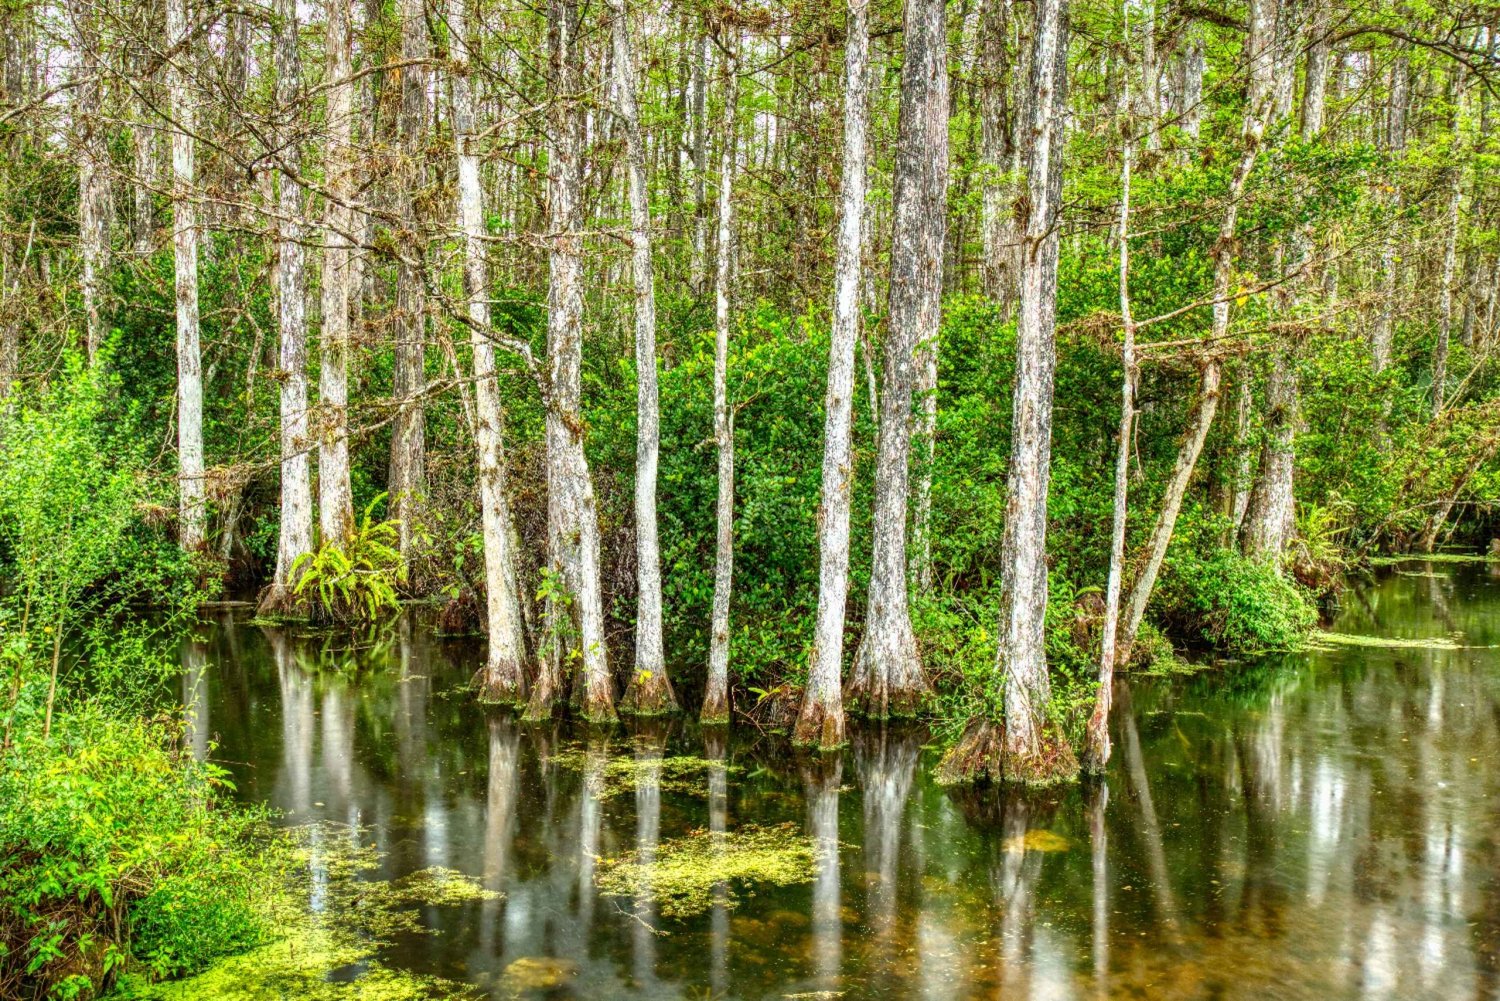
356	916
617	774
692	873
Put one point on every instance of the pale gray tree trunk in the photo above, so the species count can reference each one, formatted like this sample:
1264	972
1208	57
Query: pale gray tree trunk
408	467
335	493
291	314
716	694
1270	521
1031	756
1383	331
1450	265
1194	62
994	145
698	108
1096	748
572	516
821	720
887	676
1270	518
649	691
95	203
190	485
503	678
1148	109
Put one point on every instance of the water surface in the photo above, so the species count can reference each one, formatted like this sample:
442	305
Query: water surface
1323	825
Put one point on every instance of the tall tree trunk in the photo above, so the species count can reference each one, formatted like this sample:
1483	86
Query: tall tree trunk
821	720
994	144
1270	521
408	468
1096	748
1270	518
572	516
1383	331
1031	755
1450	263
190	484
335	493
649	691
95	204
887	676
716	695
291	313
503	678
698	100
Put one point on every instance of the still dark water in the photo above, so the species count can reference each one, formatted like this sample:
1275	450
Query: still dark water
1321	826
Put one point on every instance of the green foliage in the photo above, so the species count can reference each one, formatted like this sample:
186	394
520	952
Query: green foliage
353	579
1221	597
114	848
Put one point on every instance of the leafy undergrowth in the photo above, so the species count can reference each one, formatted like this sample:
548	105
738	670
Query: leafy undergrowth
1385	561
117	852
356	916
692	873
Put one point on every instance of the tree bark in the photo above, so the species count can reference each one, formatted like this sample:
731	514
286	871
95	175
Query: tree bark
821	720
716	694
650	690
291	312
1096	750
95	204
190	485
887	677
1023	654
503	678
408	467
1270	519
995	146
1383	331
335	493
1450	264
572	517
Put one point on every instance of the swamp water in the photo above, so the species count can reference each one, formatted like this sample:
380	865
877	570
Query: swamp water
1324	825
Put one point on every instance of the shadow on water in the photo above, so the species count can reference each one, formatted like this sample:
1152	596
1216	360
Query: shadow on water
1316	825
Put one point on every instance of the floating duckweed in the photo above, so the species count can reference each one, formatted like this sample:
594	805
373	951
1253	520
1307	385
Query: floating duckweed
1385	561
1386	642
683	877
355	917
681	774
1037	840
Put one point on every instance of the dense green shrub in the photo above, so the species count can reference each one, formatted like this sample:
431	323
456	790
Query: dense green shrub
114	850
1238	604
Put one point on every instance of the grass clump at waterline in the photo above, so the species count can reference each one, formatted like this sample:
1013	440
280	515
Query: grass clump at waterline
692	873
331	954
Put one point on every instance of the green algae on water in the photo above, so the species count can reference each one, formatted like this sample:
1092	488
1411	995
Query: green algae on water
330	953
1385	642
680	774
691	873
1386	561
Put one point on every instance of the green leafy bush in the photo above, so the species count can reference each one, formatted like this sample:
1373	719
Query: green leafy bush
1238	604
115	850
